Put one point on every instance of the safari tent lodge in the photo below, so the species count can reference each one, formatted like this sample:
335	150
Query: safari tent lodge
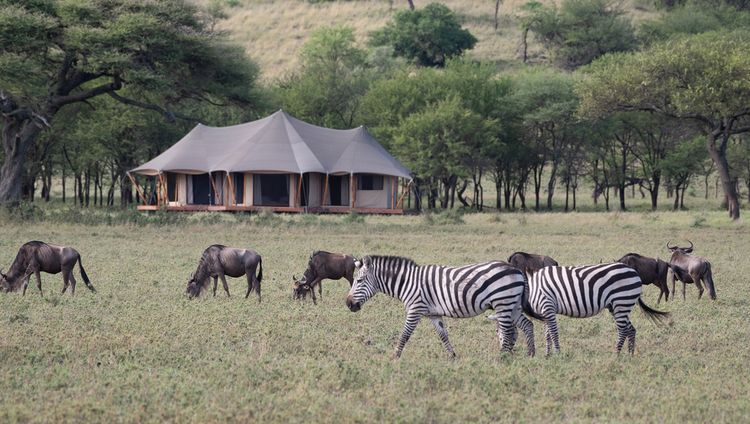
278	163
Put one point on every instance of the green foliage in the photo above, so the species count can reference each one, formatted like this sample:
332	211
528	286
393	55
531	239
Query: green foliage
702	75
333	78
580	30
693	18
430	36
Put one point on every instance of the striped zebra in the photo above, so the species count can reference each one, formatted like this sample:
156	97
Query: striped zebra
584	291
436	291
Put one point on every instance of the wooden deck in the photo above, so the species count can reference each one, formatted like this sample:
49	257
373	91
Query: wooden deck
282	209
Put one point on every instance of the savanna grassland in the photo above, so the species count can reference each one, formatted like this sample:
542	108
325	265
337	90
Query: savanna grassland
139	351
273	31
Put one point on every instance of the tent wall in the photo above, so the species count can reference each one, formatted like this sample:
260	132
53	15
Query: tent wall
314	189
181	189
379	195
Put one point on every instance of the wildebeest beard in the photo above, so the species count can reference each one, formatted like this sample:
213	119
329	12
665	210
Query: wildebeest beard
200	279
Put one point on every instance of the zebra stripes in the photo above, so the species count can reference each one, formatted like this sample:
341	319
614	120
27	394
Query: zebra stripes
436	291
584	291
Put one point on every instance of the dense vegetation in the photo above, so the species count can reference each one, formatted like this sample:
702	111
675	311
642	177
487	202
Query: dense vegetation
611	103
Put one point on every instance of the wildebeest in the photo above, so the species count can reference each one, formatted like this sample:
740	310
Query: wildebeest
652	271
530	263
690	269
35	257
218	261
322	265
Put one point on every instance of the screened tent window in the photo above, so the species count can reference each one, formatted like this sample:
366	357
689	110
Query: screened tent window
271	189
201	190
370	182
239	187
171	187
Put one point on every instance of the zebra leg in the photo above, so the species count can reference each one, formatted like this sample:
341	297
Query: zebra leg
547	336
549	312
412	319
443	334
631	340
528	329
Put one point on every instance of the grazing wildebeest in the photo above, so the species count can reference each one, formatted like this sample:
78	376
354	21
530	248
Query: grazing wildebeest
322	265
218	261
35	257
530	263
690	269
652	271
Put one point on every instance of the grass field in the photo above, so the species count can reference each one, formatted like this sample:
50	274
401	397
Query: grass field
139	351
273	31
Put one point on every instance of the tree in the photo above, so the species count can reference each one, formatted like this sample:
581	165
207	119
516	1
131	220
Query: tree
429	36
547	106
681	165
580	30
54	54
700	79
328	89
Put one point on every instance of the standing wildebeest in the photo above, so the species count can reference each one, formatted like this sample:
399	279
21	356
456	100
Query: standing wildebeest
218	261
530	263
652	271
35	257
322	265
690	269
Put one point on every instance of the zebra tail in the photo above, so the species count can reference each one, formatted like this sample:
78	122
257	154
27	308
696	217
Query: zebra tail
657	317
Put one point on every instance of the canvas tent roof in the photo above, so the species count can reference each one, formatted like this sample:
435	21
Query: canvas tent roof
276	143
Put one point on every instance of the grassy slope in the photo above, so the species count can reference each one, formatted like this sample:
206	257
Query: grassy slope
139	351
273	31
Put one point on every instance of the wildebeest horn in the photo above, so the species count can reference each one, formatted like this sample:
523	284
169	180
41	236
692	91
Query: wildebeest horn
294	277
668	246
691	244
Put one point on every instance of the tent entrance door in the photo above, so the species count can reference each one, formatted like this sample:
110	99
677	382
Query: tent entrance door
201	189
338	186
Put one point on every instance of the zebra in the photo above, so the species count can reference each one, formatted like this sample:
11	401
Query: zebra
584	291
436	291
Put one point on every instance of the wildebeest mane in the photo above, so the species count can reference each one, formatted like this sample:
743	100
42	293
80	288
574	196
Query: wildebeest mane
201	275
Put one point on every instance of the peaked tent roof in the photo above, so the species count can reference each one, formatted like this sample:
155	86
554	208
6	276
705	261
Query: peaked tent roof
276	143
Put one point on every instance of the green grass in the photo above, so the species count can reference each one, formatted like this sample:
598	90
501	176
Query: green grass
139	351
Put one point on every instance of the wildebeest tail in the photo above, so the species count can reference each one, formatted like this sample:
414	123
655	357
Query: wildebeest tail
85	276
526	306
657	317
260	270
709	279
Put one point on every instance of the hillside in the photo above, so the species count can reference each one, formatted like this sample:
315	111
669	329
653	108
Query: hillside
272	31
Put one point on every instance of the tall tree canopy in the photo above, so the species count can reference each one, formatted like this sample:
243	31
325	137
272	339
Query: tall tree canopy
54	53
430	36
703	78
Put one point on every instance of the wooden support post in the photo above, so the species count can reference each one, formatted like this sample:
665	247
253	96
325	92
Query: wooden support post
325	192
158	190
213	184
299	192
138	188
352	190
231	190
394	187
401	199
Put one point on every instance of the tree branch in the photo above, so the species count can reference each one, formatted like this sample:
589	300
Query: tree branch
168	114
59	101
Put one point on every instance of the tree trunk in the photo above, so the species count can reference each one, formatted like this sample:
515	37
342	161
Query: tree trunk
411	4
551	185
719	156
16	143
676	204
63	182
567	193
461	193
497	10
656	178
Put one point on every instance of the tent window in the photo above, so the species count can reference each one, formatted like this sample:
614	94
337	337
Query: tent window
271	189
239	187
370	182
171	187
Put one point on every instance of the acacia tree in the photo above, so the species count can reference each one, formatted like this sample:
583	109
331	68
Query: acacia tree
57	53
700	79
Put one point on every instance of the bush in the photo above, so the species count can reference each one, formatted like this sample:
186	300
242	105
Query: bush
444	217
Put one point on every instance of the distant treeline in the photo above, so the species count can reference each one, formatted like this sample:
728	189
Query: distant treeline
88	90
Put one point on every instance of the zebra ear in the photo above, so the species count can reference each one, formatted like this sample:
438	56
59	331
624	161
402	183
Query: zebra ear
358	263
367	261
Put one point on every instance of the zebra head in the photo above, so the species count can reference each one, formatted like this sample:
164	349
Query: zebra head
364	286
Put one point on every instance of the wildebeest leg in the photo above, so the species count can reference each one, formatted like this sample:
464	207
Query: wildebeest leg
224	283
674	281
319	282
39	282
66	283
443	334
250	285
684	285
72	280
216	283
697	280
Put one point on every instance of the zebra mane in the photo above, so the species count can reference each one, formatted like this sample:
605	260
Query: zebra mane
403	259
